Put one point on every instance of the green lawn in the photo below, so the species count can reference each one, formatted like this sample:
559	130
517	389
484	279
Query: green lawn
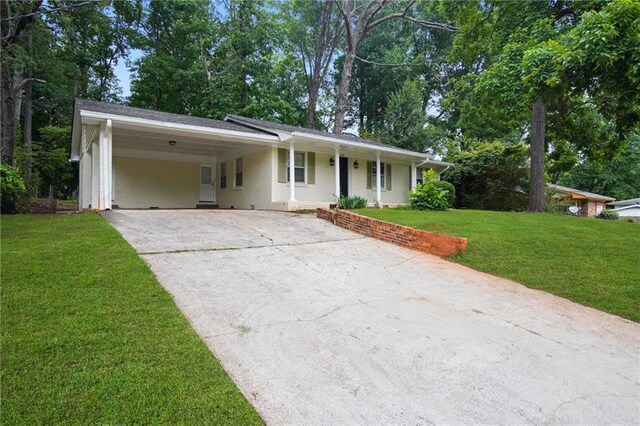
590	261
89	336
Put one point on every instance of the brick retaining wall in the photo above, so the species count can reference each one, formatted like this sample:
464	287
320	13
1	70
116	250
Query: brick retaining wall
415	239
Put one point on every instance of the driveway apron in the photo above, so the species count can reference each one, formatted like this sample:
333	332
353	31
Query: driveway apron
318	325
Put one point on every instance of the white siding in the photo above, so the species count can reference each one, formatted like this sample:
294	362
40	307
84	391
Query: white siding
256	182
141	183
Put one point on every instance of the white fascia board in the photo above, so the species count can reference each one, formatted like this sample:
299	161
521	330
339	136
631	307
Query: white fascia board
88	116
424	158
633	206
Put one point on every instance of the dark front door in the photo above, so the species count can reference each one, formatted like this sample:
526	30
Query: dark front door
344	176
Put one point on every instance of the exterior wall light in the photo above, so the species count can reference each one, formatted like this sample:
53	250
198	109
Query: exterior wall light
332	162
356	164
172	143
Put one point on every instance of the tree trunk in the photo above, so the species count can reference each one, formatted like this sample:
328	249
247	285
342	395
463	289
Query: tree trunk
536	183
7	115
342	98
28	116
313	101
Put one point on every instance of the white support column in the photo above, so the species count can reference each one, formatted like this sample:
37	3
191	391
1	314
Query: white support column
414	175
97	171
292	172
81	165
103	167
109	165
337	166
378	187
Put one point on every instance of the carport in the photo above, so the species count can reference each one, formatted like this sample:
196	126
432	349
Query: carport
133	158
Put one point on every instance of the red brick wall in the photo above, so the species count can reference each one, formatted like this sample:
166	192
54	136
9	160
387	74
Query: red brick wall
416	239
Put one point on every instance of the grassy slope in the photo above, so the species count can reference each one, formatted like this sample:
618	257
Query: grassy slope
589	261
90	337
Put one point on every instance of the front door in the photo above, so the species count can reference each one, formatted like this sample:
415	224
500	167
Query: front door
344	177
207	184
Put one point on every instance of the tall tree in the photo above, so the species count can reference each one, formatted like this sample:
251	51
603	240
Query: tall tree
14	19
539	61
359	19
315	29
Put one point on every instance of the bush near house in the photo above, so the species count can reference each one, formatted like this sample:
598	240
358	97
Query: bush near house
432	194
592	262
352	202
608	215
12	189
491	176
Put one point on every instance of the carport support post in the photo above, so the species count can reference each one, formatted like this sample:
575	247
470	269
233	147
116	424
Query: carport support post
101	167
378	188
105	166
292	172
414	175
337	170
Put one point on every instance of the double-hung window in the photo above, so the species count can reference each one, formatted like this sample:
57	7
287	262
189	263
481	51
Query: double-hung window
299	167
223	175
239	176
385	175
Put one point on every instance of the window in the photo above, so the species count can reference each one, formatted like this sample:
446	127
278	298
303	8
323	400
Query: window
223	175
385	175
299	164
238	172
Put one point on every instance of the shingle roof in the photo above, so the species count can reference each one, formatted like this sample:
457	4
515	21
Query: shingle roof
589	195
290	129
127	111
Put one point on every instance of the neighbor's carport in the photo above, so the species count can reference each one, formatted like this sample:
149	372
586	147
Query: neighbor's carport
318	325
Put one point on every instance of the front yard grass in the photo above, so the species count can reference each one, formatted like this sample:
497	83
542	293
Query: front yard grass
589	261
88	335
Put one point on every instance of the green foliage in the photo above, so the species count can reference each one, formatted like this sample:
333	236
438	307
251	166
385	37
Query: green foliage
542	250
12	189
616	175
492	176
352	202
608	215
431	194
404	119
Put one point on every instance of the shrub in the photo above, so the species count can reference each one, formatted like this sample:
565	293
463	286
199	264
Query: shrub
491	176
608	215
353	202
12	188
432	194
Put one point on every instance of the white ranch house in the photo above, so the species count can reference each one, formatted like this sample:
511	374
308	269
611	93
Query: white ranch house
139	159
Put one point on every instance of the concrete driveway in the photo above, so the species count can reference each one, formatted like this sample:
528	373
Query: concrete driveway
318	325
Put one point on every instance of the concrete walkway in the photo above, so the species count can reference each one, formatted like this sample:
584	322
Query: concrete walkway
318	325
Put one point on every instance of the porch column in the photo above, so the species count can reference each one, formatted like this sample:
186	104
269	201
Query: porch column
292	172
414	175
378	188
337	171
109	164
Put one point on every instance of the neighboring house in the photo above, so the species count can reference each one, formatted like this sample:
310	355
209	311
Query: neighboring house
136	158
590	204
627	208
